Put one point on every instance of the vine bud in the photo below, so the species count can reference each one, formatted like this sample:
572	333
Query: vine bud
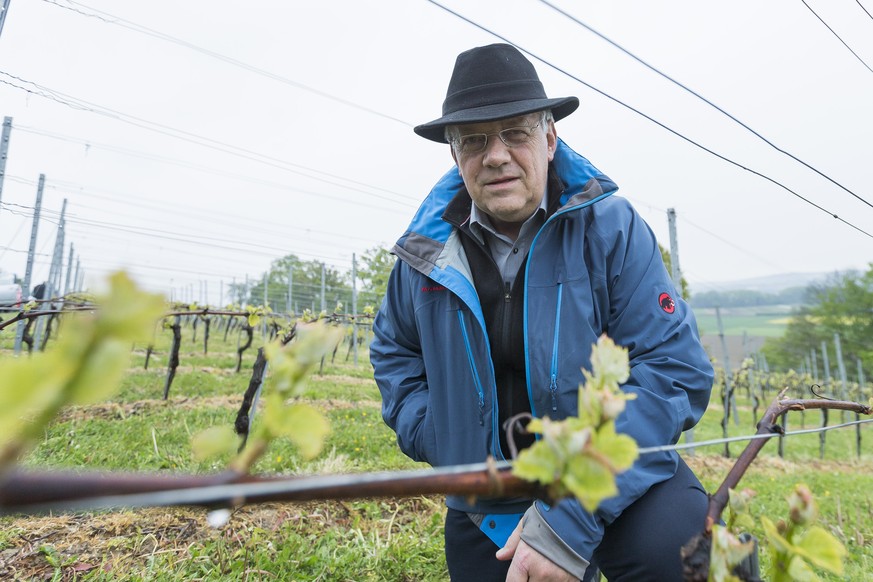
802	506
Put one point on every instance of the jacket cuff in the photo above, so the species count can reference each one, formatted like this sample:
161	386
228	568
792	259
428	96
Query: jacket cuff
539	535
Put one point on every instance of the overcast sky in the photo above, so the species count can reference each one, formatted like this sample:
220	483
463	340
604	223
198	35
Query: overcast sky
198	141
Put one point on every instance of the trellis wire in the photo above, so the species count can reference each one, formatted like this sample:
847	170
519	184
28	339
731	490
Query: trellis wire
753	437
246	491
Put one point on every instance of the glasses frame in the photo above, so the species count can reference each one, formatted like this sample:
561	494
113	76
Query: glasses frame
529	129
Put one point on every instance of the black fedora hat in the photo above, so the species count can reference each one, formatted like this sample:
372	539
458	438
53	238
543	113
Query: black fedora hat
489	83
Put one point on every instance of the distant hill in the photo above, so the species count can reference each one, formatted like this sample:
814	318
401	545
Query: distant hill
768	284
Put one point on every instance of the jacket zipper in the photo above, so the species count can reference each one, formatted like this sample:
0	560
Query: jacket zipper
553	373
476	381
553	379
506	320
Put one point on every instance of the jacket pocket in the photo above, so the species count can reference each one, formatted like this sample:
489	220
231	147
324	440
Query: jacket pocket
553	367
477	381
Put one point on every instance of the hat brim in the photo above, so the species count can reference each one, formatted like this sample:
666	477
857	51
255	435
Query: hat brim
436	129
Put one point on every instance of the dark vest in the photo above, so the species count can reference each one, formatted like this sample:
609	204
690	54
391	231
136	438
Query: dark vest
503	309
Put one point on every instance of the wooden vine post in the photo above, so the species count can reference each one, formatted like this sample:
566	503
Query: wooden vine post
244	416
174	355
250	336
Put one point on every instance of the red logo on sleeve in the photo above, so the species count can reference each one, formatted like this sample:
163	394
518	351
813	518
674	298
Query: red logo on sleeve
666	303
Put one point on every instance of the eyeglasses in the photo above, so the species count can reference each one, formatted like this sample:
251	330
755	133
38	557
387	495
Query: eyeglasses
475	143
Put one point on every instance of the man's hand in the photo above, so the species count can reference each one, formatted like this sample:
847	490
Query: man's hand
529	564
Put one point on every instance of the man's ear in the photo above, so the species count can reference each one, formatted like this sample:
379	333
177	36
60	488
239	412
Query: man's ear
552	139
455	158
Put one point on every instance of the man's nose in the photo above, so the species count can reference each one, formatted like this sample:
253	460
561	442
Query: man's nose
496	152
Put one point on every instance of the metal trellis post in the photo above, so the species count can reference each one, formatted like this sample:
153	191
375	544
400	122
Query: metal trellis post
4	140
28	271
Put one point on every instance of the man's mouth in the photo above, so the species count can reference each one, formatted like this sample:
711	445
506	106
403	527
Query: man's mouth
500	181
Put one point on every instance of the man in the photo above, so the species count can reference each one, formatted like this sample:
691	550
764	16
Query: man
517	261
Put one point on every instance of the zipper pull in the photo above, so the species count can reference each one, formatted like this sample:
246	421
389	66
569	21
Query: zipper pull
507	292
481	410
553	388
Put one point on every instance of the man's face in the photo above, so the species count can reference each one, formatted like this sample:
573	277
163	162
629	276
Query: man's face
508	183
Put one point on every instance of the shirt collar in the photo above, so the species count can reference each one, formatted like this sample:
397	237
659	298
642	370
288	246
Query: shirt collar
480	221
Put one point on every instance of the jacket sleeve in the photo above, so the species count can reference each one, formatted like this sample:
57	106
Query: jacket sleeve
396	357
670	372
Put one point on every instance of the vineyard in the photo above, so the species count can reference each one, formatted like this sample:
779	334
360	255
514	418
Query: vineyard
148	426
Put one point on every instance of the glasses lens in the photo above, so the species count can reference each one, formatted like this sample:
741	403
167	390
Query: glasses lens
511	136
472	143
515	136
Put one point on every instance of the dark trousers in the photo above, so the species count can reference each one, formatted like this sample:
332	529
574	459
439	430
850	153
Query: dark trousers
642	544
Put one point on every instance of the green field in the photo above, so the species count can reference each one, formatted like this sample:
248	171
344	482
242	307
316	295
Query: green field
767	321
385	539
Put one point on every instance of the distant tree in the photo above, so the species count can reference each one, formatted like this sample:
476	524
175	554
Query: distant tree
305	289
668	262
843	305
376	265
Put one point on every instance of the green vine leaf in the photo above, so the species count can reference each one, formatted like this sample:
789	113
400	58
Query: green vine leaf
798	545
589	480
581	455
739	517
214	442
779	543
727	552
100	374
305	426
822	549
84	365
283	417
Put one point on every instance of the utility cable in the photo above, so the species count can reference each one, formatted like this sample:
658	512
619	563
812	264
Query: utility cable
126	199
701	97
111	19
72	222
81	104
653	120
200	167
837	35
52	217
864	9
683	218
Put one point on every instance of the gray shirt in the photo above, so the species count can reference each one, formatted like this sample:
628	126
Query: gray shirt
507	253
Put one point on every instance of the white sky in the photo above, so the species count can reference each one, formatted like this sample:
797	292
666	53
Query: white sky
310	108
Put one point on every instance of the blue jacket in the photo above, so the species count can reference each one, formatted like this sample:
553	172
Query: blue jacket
593	268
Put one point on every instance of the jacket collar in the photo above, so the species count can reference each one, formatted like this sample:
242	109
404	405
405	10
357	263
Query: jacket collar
446	207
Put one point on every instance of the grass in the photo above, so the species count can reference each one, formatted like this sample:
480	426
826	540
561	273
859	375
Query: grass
758	321
370	539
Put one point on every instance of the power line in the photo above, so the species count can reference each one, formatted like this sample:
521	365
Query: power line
229	220
206	169
820	19
701	97
729	243
864	9
304	233
207	241
683	218
653	120
187	136
111	19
